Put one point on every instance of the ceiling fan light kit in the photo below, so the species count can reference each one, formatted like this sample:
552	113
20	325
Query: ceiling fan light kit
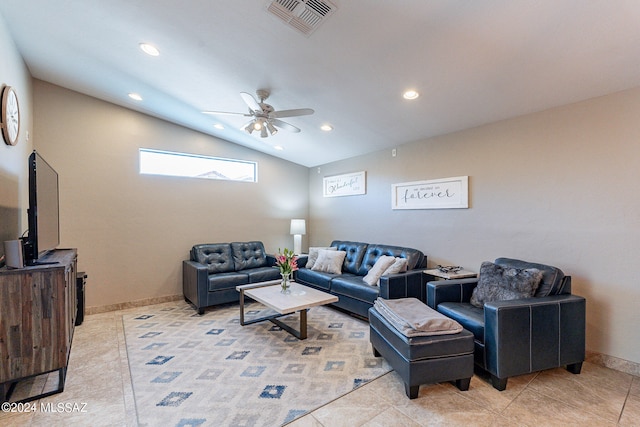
265	119
272	129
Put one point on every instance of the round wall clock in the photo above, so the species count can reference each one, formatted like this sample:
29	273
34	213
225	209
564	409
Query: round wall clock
10	116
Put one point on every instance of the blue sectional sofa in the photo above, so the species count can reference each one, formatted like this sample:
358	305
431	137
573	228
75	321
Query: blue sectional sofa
354	294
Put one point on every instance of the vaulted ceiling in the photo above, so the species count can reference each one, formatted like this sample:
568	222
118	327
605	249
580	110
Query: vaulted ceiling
473	62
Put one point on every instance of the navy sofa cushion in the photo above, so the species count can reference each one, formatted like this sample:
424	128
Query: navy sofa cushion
353	286
248	255
470	317
355	252
319	279
375	251
230	280
262	274
216	256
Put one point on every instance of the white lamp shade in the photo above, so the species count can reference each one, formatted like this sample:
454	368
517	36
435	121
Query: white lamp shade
298	226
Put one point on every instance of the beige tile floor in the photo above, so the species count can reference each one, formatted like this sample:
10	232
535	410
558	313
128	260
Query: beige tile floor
98	392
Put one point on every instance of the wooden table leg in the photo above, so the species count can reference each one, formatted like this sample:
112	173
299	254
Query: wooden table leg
300	334
242	307
303	325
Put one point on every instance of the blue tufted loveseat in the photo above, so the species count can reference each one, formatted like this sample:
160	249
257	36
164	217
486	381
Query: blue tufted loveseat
211	274
353	293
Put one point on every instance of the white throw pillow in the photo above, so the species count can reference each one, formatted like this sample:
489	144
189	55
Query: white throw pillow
329	261
399	266
313	254
378	268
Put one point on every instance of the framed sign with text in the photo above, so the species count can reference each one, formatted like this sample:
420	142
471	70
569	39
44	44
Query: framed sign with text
445	193
349	184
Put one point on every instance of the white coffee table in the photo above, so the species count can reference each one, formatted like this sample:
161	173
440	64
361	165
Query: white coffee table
300	298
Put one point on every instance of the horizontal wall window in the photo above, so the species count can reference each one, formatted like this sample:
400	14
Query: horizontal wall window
155	162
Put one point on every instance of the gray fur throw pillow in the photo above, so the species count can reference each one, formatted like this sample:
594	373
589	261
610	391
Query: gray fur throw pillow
497	283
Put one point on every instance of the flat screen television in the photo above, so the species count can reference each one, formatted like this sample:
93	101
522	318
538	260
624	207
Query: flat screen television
43	212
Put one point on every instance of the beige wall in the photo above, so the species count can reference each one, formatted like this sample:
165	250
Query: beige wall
13	159
132	231
557	187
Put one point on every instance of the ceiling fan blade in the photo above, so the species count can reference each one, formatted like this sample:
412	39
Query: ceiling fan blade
228	113
251	102
292	113
284	125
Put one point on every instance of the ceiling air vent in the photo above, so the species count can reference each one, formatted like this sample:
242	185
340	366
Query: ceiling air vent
303	15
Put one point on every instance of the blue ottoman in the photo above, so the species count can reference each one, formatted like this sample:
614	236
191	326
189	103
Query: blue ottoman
424	359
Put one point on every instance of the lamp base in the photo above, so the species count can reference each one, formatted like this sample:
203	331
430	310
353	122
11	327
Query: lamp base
297	244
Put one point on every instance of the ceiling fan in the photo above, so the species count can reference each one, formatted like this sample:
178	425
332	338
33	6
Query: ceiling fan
265	117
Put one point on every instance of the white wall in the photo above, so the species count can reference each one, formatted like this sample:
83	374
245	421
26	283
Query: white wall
13	159
556	187
132	231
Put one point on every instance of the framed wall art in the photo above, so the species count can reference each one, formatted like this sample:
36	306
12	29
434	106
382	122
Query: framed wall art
350	184
444	193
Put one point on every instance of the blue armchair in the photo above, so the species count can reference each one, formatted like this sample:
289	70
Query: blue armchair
518	336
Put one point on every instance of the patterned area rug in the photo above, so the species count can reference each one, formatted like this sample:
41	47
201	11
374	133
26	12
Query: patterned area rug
190	370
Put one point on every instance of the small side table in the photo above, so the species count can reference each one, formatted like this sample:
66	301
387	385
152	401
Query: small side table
462	274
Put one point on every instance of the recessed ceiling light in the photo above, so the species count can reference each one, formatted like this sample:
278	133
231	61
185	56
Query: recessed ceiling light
218	126
326	127
410	94
149	49
135	97
279	147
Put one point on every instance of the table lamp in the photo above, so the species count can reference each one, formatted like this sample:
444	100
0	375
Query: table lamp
298	228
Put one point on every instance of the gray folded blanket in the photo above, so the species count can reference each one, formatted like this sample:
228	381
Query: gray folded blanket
413	318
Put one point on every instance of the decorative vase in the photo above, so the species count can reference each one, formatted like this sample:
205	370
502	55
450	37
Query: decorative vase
285	285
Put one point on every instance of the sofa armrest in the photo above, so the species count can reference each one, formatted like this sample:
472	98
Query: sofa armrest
195	282
302	260
457	290
403	285
271	260
532	334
